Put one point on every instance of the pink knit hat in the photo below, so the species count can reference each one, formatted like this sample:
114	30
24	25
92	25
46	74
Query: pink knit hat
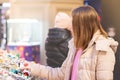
62	20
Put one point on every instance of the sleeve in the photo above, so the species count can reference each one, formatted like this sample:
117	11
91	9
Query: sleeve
50	73
47	72
105	65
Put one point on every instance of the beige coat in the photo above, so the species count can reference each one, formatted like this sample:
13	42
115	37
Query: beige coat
96	62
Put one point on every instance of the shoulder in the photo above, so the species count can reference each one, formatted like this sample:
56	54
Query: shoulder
58	35
58	29
106	44
59	32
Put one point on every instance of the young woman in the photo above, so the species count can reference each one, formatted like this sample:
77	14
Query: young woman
90	49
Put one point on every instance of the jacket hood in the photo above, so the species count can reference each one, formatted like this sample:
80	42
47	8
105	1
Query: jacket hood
104	44
113	44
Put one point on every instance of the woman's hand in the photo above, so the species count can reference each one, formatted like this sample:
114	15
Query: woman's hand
26	65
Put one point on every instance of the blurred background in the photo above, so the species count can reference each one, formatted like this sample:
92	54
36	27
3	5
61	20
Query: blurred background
24	24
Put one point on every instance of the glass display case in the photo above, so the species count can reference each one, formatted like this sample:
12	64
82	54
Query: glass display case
24	37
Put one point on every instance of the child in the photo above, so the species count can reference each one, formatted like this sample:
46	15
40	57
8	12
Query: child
56	45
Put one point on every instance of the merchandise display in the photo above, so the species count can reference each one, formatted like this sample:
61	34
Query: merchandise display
24	37
30	51
10	68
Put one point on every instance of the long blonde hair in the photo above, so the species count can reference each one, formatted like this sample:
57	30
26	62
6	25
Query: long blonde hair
85	23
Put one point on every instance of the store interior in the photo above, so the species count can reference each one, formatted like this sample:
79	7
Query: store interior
24	24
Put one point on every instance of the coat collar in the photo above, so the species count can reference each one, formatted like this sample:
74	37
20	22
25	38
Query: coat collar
102	43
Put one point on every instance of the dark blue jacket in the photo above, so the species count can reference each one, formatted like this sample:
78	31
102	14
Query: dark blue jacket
56	46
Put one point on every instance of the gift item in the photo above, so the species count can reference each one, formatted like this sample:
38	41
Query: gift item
10	68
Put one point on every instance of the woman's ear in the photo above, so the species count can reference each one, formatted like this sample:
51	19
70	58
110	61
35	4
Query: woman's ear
99	18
